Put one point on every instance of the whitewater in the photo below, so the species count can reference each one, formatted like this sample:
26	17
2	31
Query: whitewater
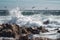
22	20
34	20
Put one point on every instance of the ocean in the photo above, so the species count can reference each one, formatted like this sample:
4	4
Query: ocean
33	18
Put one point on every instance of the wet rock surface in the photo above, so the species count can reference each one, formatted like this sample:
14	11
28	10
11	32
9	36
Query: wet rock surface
46	22
21	33
9	30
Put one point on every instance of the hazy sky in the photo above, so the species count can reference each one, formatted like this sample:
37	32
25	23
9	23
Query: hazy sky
28	4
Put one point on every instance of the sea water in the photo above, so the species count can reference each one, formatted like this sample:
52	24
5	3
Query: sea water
33	18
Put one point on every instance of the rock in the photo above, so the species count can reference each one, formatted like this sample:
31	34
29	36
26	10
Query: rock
43	30
35	31
10	30
58	31
24	31
24	37
5	31
46	22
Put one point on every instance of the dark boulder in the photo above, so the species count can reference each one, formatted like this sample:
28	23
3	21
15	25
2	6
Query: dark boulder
46	22
58	31
42	29
10	30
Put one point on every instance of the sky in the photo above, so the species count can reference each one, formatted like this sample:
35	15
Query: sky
28	4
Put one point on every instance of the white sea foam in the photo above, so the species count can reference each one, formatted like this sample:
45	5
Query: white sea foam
21	20
35	20
32	20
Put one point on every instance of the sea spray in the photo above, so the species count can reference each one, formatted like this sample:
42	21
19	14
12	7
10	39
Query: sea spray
35	20
22	20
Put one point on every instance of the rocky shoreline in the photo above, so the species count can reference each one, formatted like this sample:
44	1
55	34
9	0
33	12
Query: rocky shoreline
15	32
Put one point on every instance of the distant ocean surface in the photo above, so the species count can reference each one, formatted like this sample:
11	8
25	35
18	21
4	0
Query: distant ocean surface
32	18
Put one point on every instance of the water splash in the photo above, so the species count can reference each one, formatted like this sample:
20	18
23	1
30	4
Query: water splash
17	17
21	20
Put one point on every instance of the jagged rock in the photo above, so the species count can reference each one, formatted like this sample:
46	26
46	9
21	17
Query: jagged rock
46	22
10	30
35	31
42	29
16	31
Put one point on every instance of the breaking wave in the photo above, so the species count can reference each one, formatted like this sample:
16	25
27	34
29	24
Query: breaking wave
33	18
22	20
